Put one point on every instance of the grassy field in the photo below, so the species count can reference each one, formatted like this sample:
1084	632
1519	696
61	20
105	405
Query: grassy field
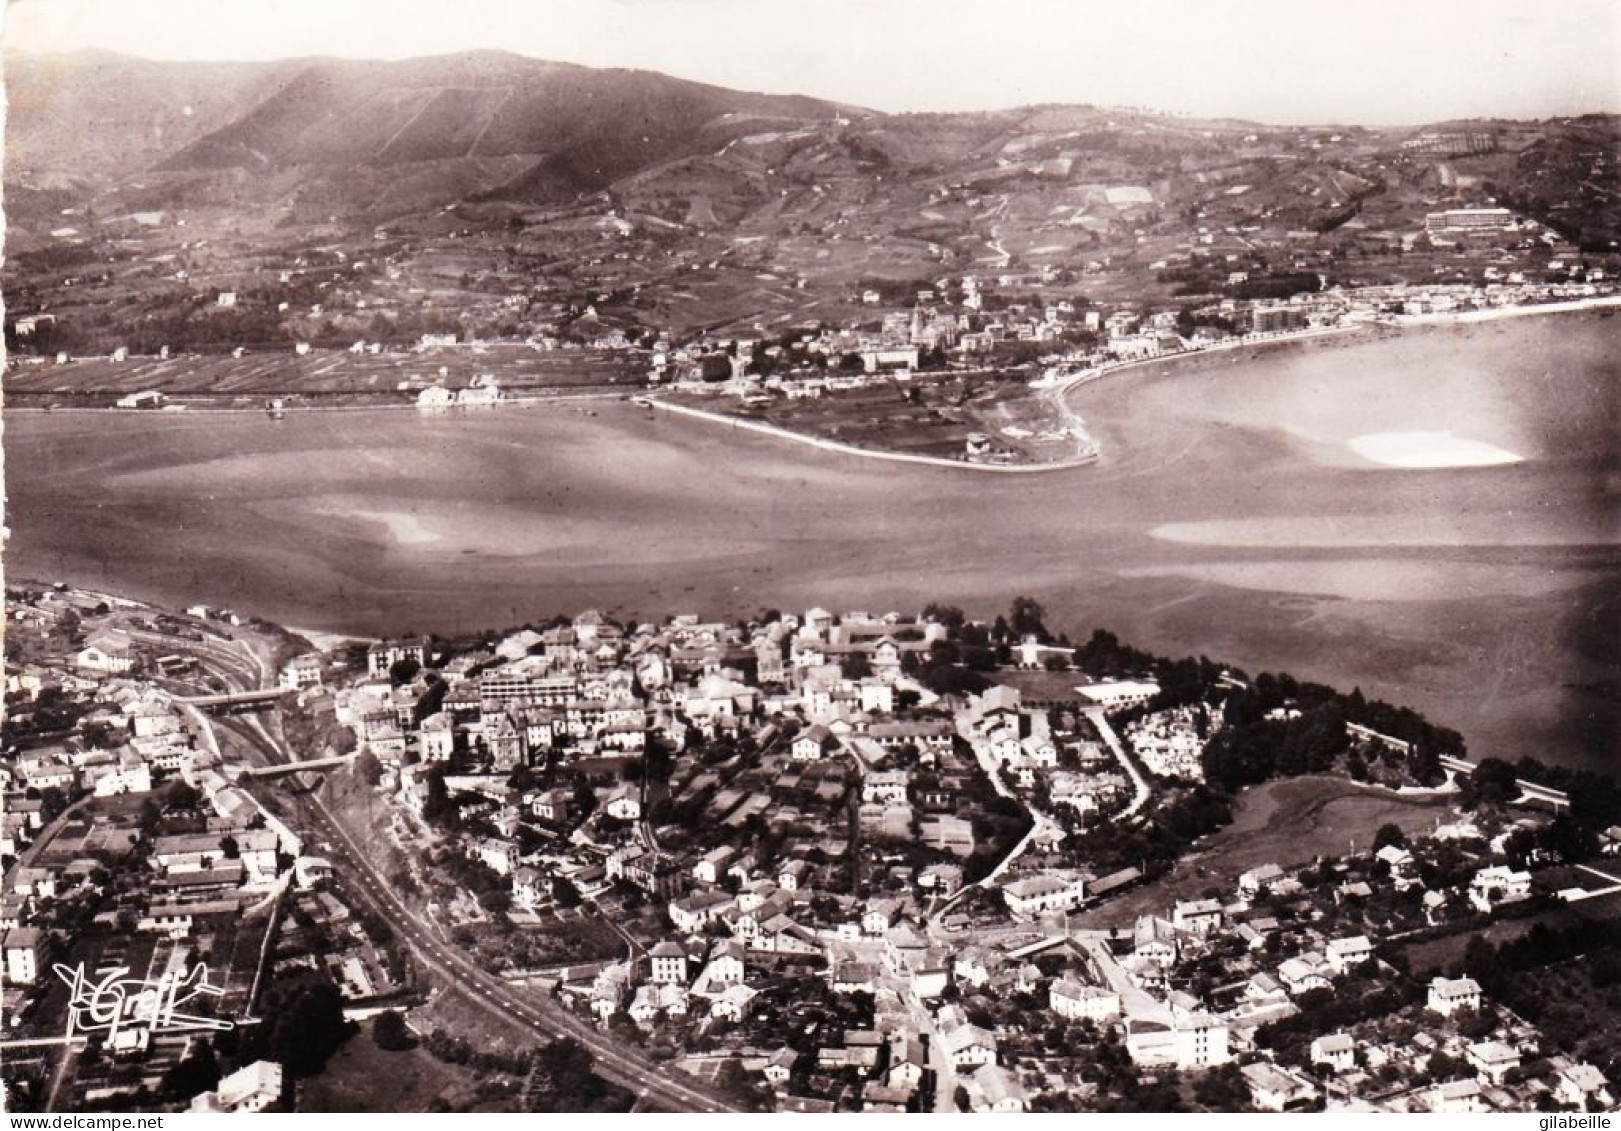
930	415
1445	955
1286	822
362	1077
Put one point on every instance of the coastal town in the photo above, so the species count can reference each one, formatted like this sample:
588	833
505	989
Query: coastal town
936	316
756	558
960	370
815	861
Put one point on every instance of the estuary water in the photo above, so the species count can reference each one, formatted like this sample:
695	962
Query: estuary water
1431	515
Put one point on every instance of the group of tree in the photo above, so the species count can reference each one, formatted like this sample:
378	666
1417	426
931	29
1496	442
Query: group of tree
390	1032
1248	753
1499	967
303	1026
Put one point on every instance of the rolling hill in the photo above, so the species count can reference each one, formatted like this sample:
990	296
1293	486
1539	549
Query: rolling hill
93	114
487	180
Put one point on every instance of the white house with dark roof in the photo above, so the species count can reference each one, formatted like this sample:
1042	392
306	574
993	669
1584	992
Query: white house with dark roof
813	744
994	1088
109	651
384	654
1580	1083
1050	891
1345	955
1197	916
1336	1050
1274	1088
1449	995
1496	885
1259	879
1304	973
1072	999
301	672
624	804
25	949
1492	1059
668	962
1457	1097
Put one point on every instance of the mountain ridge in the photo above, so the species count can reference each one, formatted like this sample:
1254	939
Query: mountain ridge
665	201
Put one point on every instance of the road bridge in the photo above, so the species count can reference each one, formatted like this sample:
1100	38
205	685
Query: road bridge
265	697
282	769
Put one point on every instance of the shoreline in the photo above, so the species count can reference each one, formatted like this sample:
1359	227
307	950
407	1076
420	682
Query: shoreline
1054	392
289	410
1496	313
1057	392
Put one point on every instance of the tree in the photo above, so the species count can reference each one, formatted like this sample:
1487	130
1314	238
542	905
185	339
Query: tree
733	1080
1025	618
305	1026
1222	1089
585	798
564	893
1389	834
197	1072
563	1079
437	808
855	665
403	671
1494	782
431	700
390	1032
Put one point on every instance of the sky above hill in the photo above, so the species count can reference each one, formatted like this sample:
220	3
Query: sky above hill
1376	62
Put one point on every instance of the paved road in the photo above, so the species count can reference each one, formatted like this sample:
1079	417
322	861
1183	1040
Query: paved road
1039	821
1100	720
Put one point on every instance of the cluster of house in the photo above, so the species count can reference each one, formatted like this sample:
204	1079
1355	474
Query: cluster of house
817	360
481	390
591	689
1493	1079
820	696
138	737
1126	978
129	736
321	933
236	858
838	729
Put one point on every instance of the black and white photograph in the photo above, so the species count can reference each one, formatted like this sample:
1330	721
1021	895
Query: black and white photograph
810	556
